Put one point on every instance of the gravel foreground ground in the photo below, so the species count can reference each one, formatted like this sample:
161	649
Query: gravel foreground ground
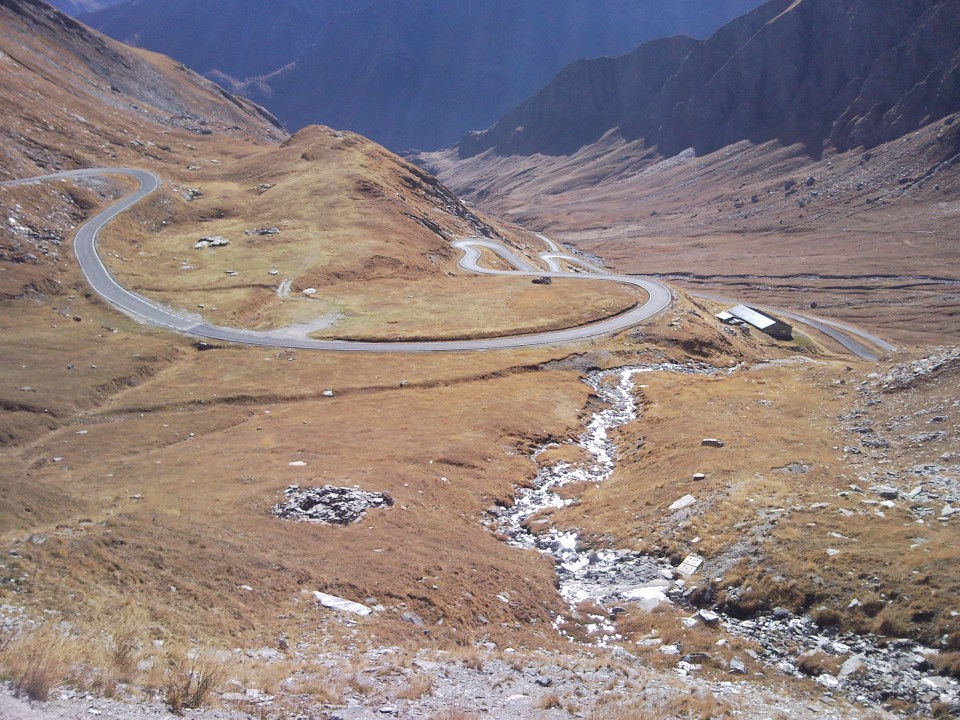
554	688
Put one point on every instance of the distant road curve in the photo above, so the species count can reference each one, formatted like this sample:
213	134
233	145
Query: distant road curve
144	310
840	332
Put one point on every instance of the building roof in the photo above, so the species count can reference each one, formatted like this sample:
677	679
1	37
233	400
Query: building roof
754	317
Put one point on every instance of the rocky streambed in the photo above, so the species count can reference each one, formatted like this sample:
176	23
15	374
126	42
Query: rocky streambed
873	671
605	576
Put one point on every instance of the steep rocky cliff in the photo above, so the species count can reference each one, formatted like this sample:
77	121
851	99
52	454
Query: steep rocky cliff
840	72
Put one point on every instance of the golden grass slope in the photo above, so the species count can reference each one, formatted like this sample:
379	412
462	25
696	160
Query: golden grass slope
137	472
168	504
368	235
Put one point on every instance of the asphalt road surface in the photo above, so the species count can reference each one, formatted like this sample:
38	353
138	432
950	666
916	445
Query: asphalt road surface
147	311
660	297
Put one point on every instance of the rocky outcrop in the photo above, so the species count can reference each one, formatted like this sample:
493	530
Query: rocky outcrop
329	504
843	73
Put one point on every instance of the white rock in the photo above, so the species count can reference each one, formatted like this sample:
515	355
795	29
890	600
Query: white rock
335	603
648	605
298	463
684	502
708	617
828	681
690	565
649	597
852	664
212	241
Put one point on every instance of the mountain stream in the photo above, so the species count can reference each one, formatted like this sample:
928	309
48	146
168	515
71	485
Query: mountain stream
875	671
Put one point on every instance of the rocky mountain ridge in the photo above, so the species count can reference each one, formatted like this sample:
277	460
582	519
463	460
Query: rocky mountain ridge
66	109
404	74
844	73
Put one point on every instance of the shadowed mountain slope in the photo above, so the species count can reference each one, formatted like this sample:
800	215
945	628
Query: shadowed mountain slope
405	73
78	7
237	38
840	72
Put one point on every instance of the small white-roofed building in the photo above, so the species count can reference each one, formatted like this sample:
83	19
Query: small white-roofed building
768	324
728	319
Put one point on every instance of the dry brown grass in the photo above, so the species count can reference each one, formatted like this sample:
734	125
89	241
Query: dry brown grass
472	660
686	706
142	547
8	632
379	274
454	714
189	682
416	688
164	502
360	685
470	307
815	664
550	701
317	688
761	526
37	661
696	217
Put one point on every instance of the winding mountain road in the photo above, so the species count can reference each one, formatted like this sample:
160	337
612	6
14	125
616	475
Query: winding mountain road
147	311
